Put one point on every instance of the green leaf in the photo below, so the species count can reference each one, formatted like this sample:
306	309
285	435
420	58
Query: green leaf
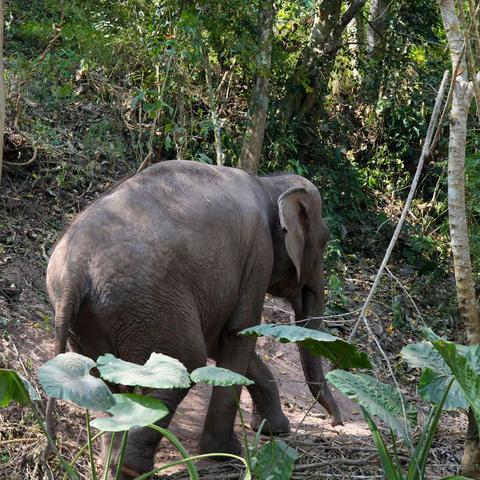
220	377
67	377
131	411
377	398
463	371
274	461
457	477
15	387
435	377
159	371
418	463
32	393
429	334
137	98
432	385
391	469
339	352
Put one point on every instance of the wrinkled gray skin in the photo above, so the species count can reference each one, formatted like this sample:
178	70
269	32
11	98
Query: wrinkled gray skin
177	260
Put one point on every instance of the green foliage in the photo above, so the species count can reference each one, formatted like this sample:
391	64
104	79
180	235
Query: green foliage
463	369
340	352
14	387
274	461
435	377
337	300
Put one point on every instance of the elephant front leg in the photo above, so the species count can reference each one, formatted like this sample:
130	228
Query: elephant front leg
218	436
266	399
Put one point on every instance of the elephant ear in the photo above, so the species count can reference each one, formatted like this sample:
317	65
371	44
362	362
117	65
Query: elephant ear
292	210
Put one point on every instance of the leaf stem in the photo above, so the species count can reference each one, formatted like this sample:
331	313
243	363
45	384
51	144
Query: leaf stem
147	475
80	452
121	457
109	456
176	443
90	448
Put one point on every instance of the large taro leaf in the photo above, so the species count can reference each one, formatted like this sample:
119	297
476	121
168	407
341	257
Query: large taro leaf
67	376
435	377
131	411
220	377
15	387
462	368
338	351
377	398
274	461
159	371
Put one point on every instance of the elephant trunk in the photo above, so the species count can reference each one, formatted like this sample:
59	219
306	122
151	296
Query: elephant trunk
312	306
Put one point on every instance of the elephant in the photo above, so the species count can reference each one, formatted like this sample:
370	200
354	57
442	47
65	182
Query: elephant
177	259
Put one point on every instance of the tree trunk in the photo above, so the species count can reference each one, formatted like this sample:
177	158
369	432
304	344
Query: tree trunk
307	86
467	304
253	141
2	88
376	49
461	101
360	33
377	25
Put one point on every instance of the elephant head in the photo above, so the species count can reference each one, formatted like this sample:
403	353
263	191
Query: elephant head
299	237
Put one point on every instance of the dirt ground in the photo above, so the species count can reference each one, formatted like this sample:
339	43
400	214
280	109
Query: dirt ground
31	220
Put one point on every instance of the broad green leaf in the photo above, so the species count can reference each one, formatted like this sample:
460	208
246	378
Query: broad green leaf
159	371
131	411
274	461
15	387
377	398
220	377
67	377
338	351
435	377
431	387
464	373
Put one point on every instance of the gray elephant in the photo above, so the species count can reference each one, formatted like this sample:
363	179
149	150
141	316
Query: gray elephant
177	259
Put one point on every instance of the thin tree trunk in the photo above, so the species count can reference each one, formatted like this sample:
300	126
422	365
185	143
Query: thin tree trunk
2	88
461	101
253	141
377	25
360	32
467	304
212	103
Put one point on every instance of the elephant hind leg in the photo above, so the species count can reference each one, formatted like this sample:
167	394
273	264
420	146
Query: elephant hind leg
143	442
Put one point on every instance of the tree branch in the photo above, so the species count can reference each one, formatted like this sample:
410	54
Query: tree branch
346	18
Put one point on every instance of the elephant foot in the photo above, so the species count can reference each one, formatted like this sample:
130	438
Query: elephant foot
213	444
274	425
127	473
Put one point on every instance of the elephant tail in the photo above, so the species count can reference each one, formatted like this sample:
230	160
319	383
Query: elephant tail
64	310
